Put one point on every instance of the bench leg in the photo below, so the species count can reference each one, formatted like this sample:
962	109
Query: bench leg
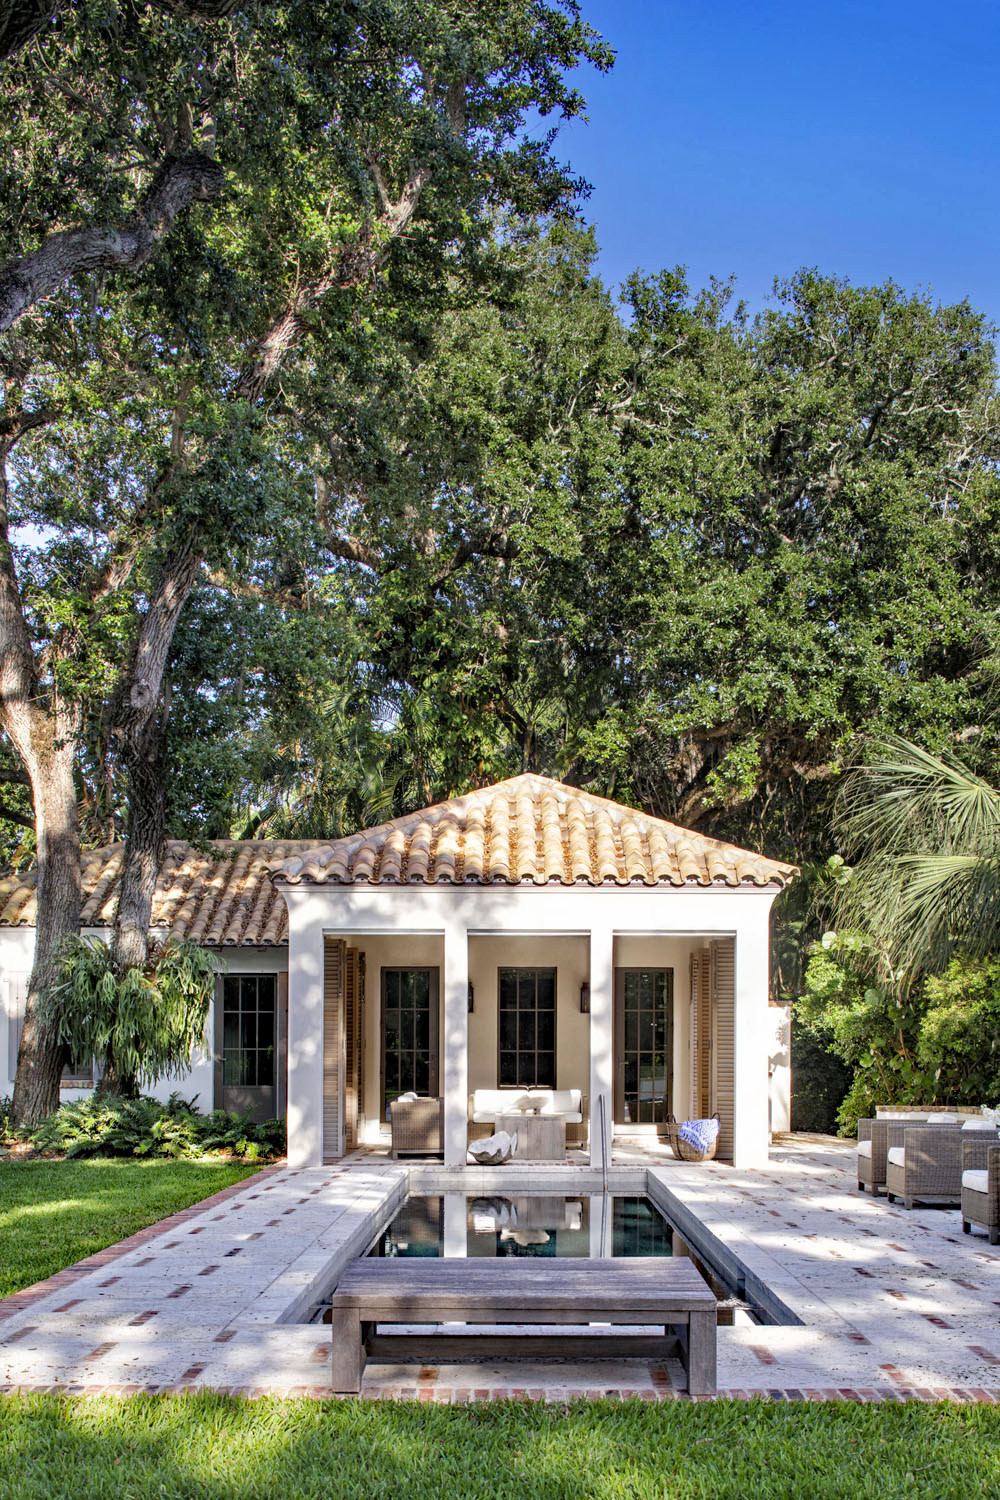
701	1356
348	1361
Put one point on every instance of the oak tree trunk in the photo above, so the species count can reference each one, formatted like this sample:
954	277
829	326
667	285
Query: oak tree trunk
41	1056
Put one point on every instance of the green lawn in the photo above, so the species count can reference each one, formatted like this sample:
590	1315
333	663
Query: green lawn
53	1213
212	1448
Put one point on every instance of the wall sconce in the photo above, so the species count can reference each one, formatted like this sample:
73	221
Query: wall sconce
585	998
472	999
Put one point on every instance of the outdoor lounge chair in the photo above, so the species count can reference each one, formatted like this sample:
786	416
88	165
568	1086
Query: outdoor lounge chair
925	1165
417	1126
981	1187
877	1137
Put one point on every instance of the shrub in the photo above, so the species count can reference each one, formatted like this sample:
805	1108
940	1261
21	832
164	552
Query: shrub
6	1114
111	1126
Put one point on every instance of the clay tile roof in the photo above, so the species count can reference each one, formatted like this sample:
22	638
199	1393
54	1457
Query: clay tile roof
528	830
221	896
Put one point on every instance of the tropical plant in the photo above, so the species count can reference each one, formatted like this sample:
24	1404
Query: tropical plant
925	833
108	1125
143	1021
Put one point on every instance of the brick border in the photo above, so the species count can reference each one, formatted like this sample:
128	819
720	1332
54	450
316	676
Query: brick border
466	1395
60	1280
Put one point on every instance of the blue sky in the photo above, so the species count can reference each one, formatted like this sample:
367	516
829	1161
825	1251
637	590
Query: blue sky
754	138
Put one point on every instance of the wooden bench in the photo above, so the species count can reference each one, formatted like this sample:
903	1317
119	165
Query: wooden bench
658	1291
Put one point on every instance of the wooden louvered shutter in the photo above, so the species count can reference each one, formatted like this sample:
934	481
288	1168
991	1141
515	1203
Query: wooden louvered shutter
334	985
724	1048
701	1034
352	1047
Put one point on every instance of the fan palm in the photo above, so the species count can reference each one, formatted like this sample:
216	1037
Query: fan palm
924	833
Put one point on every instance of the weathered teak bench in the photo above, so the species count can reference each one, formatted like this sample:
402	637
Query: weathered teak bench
662	1292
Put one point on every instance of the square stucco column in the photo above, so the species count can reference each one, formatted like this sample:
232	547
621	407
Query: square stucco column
750	1043
305	1039
455	1048
602	1032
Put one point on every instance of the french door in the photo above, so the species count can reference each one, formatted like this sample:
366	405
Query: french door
409	1033
644	1046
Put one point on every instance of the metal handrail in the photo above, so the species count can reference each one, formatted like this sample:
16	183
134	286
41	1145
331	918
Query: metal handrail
602	1103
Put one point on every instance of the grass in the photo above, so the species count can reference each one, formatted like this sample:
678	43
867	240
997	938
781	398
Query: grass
53	1213
205	1447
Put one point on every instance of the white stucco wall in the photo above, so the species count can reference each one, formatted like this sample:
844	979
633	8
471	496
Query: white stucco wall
16	951
780	1051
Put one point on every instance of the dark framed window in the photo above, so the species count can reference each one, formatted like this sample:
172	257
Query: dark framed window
645	1044
527	1015
409	1033
249	1030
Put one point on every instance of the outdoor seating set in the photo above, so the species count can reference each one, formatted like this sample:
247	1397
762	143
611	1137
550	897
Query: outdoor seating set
935	1157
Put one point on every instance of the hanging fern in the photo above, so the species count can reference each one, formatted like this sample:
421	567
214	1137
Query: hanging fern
144	1021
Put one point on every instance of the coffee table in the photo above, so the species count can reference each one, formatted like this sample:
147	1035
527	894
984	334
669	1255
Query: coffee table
539	1137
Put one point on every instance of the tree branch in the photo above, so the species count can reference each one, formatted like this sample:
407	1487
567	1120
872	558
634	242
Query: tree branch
8	815
182	179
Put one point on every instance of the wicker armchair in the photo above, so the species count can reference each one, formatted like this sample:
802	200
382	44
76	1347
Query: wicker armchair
981	1187
930	1168
875	1139
417	1127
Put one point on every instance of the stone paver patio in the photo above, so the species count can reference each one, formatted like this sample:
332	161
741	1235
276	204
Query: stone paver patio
893	1304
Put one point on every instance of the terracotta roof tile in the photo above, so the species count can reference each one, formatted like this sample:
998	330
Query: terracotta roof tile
529	830
223	896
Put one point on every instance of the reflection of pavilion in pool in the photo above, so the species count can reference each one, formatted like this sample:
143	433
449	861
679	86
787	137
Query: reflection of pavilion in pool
533	1224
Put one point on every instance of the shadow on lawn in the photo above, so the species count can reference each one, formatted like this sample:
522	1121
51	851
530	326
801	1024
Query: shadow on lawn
205	1447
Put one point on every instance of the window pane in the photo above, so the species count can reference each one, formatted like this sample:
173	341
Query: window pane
527	1030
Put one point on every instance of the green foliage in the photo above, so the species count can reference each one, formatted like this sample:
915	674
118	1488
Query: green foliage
959	1036
926	882
820	1079
145	1022
110	1126
6	1115
873	1030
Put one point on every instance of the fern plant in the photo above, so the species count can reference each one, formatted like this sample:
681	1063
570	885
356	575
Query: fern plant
144	1021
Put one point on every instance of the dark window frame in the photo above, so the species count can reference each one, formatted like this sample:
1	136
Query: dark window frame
434	1007
521	1080
274	1049
620	1049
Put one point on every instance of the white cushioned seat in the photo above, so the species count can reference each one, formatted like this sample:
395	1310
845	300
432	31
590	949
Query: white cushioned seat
942	1119
486	1104
896	1156
977	1179
978	1125
864	1148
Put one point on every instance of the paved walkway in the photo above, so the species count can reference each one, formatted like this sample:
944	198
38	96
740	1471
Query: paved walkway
894	1305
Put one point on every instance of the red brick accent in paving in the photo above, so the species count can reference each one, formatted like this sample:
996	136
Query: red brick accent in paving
18	1301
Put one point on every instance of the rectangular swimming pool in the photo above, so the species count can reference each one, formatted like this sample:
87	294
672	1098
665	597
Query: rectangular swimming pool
534	1224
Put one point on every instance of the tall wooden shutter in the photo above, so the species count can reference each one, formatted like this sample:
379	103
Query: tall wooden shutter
334	987
724	1048
701	1035
352	1046
17	993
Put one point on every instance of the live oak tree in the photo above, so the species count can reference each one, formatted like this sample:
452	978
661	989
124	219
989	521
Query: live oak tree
150	418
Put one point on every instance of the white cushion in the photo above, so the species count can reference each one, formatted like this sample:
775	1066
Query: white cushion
978	1125
488	1103
565	1102
864	1148
977	1179
942	1119
896	1156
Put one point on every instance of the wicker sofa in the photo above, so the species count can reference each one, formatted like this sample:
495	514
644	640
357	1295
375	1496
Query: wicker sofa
417	1127
486	1104
981	1187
